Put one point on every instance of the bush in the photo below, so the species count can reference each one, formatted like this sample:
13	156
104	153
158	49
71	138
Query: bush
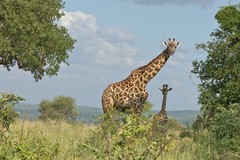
60	108
222	139
7	114
225	128
123	136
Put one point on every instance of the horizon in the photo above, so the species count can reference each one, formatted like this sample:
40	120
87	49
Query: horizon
19	105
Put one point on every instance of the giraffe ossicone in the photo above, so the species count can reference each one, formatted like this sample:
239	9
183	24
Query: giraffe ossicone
131	92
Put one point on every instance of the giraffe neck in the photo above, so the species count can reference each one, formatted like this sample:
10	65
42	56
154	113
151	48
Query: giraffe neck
153	67
164	103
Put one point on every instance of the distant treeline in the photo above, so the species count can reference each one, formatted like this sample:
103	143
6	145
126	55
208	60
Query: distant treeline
89	114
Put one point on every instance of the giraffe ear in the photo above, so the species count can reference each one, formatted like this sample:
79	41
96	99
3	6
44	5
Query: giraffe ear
169	89
165	43
178	44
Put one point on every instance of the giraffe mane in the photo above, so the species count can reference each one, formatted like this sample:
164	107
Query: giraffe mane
137	69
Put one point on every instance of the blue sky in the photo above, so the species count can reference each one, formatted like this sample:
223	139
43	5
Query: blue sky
116	36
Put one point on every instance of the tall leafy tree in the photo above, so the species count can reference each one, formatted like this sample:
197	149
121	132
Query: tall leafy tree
30	37
220	72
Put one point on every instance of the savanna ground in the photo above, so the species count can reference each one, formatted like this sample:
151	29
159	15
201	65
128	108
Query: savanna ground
127	137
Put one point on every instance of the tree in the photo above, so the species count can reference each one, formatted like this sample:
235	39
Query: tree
226	130
30	37
60	108
220	72
7	114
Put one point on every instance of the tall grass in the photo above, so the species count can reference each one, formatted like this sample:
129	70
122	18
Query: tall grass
65	141
43	140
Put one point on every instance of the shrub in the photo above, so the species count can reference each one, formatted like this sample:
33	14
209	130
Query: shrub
60	108
225	128
123	136
7	114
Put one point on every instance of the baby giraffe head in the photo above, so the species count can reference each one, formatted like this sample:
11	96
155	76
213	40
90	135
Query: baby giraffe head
165	89
171	45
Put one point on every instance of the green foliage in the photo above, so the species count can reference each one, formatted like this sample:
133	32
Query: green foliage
30	37
218	126
60	108
225	128
123	136
7	113
219	73
22	146
205	148
147	106
117	138
173	124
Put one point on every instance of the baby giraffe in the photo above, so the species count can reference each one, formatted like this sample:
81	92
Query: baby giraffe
161	117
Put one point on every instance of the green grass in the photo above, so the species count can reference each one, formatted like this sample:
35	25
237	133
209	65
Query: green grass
52	140
63	141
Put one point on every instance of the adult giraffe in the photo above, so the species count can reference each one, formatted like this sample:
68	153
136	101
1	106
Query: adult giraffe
131	92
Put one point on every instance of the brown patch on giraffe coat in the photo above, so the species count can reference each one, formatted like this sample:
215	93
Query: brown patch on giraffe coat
156	69
150	69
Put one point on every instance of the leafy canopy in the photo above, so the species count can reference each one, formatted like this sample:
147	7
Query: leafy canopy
60	108
220	72
226	129
30	38
220	84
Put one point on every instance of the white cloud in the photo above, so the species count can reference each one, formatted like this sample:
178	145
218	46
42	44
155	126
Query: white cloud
79	24
105	45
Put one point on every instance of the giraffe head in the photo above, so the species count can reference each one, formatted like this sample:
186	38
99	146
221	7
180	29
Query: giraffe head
171	45
165	89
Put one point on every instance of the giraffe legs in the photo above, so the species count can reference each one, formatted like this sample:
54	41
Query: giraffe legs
107	100
138	102
107	104
137	106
